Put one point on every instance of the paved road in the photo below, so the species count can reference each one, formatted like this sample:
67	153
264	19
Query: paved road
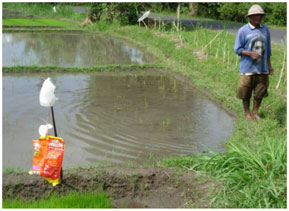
80	9
277	35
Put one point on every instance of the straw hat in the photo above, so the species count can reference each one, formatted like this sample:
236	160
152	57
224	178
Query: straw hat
256	10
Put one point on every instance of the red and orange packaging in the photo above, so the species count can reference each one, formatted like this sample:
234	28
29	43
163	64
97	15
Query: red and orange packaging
47	158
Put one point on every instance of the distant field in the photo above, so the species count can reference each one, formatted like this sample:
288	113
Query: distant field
34	22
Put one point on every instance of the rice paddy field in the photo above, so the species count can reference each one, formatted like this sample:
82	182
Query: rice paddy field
252	170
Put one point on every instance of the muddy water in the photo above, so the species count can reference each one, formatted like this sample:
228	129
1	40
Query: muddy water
68	50
109	117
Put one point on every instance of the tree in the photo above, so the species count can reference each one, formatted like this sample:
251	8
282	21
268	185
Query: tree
125	13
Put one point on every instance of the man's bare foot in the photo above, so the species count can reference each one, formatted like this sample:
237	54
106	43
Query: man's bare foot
248	116
256	116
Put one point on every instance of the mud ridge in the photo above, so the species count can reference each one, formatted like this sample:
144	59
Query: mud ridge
140	187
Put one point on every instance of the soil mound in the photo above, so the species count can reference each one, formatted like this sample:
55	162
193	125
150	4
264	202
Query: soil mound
141	187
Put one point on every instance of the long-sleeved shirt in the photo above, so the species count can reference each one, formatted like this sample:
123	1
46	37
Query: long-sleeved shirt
250	38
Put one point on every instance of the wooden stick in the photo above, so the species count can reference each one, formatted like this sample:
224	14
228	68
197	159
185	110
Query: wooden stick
55	133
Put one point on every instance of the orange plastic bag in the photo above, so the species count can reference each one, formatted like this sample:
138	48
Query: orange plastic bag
47	158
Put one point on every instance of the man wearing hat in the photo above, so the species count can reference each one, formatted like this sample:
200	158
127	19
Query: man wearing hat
253	44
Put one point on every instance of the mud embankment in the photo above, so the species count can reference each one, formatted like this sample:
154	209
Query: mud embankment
152	187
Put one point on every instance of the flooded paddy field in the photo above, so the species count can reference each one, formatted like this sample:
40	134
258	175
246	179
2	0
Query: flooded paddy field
111	117
68	49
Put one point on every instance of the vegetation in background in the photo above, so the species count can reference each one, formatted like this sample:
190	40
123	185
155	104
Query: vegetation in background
253	169
125	13
45	10
276	12
73	199
128	13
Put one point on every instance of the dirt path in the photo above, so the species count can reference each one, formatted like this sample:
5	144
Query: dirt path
140	187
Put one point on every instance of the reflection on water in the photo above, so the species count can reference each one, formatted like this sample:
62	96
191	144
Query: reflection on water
112	118
67	50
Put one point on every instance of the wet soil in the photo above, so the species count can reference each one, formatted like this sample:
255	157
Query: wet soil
129	187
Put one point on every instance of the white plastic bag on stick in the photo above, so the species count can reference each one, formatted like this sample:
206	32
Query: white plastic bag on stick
47	97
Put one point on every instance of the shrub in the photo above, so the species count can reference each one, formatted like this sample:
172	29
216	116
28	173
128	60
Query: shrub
126	13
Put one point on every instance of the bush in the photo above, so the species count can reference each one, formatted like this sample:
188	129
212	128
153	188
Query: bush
208	10
126	13
276	13
234	11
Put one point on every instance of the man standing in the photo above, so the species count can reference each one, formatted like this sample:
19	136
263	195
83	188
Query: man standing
253	44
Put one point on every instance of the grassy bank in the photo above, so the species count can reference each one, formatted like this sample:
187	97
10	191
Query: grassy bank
34	22
253	170
71	200
21	69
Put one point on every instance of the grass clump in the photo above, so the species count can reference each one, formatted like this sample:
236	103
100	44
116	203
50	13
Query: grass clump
71	200
11	170
252	176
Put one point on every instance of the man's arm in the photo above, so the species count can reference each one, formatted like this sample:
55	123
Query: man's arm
271	70
252	54
255	55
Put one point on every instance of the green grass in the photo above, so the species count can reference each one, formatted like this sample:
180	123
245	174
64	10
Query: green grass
252	176
34	22
36	29
21	69
71	200
44	10
11	170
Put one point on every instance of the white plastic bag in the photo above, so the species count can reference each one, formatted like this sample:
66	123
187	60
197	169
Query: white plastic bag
47	97
43	129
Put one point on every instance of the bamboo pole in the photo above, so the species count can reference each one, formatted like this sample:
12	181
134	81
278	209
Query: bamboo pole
178	14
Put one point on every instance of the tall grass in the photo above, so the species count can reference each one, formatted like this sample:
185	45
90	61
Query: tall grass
71	200
251	176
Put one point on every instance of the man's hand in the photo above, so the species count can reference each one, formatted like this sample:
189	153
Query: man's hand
271	70
254	55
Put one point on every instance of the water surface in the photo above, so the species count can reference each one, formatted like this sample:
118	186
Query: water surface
109	117
68	49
